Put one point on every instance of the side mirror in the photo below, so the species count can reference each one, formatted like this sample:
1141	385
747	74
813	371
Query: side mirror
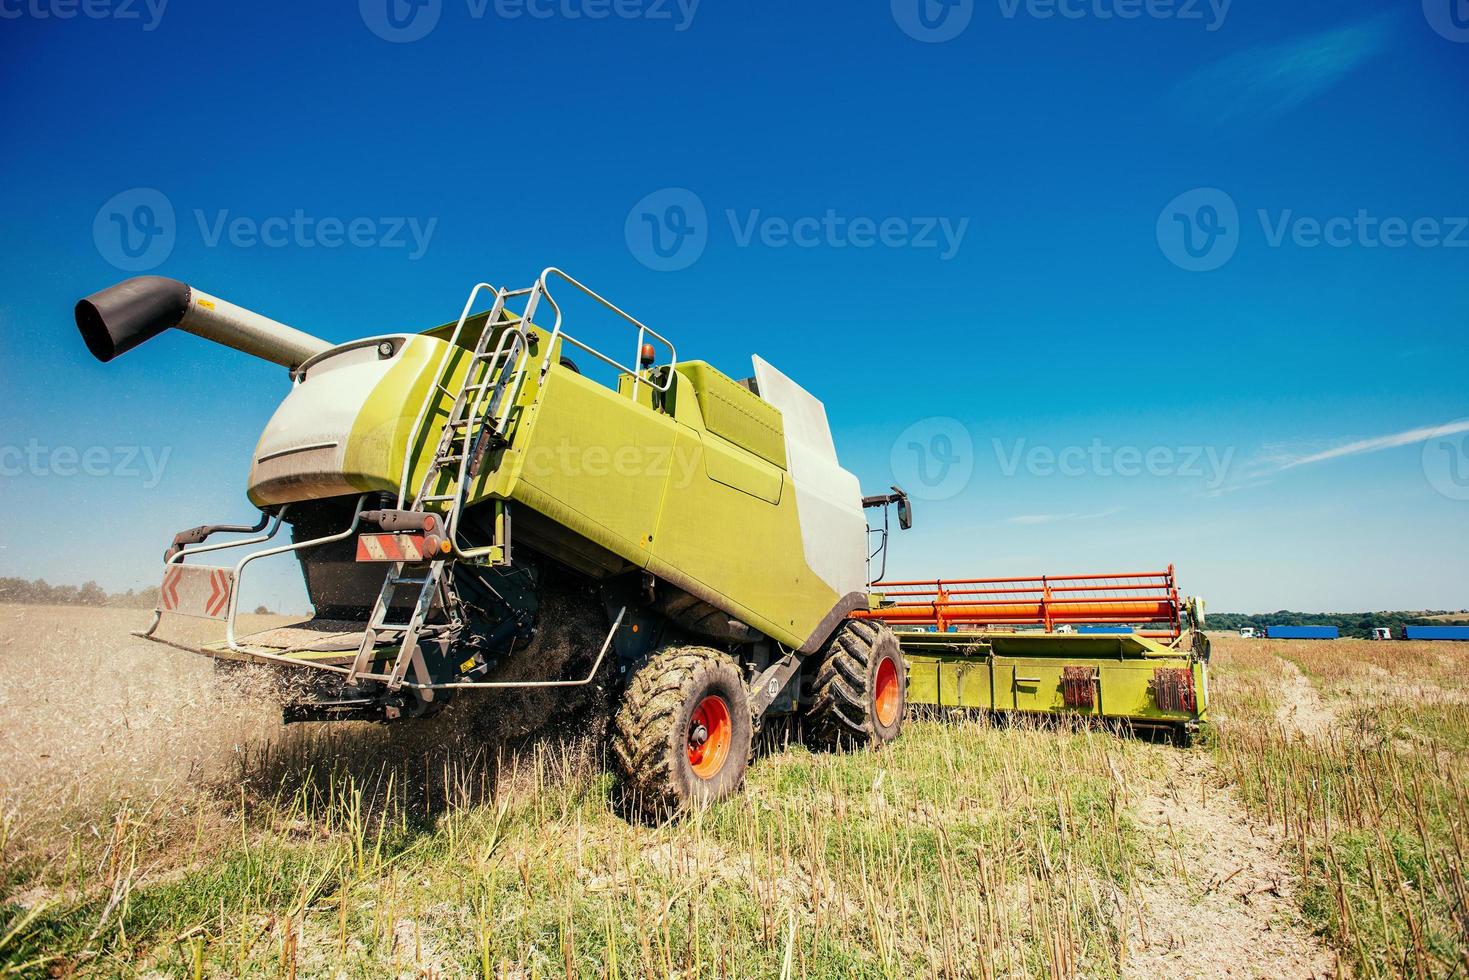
905	512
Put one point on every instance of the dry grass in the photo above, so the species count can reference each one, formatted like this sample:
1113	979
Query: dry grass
182	831
1373	805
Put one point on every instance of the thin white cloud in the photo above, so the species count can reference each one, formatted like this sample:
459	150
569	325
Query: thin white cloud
1271	80
1275	458
1380	443
1056	518
1248	483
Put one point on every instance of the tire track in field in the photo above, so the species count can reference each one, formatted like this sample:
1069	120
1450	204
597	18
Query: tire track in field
1302	709
1220	898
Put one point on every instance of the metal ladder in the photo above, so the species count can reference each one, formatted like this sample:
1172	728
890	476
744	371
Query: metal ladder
477	418
432	588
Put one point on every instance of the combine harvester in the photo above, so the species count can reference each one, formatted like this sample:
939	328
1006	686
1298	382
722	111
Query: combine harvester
466	505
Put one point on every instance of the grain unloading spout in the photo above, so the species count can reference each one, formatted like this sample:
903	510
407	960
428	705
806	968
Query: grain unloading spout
119	318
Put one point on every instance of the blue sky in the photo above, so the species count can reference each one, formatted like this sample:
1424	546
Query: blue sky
1106	284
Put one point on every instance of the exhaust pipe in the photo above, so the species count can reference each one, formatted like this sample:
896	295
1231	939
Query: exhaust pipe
121	317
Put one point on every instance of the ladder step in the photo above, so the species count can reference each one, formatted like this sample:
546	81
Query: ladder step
434	497
408	581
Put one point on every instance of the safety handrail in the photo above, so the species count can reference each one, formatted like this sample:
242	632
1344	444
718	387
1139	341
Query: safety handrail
644	331
178	557
229	623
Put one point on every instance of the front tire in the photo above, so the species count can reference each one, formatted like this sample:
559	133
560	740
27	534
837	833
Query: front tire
683	734
859	693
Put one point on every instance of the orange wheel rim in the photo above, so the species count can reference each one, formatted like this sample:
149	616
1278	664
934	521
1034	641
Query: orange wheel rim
710	732
889	694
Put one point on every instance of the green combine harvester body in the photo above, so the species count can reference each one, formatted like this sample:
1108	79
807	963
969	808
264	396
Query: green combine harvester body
472	512
691	485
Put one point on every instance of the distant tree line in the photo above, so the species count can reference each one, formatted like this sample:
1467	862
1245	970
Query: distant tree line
1349	624
39	592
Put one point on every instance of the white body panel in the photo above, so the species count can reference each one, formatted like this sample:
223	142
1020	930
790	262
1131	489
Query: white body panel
828	498
302	453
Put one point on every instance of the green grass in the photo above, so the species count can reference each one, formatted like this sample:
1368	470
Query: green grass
964	849
967	848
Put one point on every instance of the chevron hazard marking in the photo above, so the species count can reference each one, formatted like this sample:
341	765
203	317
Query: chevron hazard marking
202	591
390	547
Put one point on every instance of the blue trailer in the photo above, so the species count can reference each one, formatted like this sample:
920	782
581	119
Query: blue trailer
1436	632
1104	629
1302	632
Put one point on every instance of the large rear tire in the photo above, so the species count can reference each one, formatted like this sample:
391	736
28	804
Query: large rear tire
683	733
859	692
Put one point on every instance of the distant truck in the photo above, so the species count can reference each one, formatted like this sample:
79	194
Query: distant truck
1436	632
1302	632
1247	632
1382	633
1104	629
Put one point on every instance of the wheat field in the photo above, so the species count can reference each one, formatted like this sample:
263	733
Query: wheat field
156	819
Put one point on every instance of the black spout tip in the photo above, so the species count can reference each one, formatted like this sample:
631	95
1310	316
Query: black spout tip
119	318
